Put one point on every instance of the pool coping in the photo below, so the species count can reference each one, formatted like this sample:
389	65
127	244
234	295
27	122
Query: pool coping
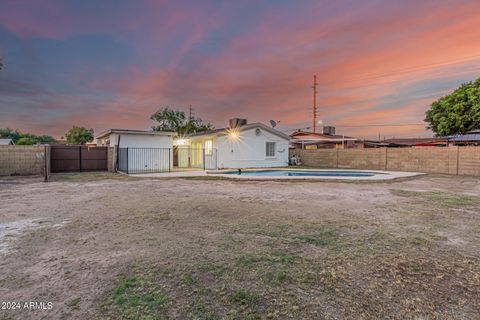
382	175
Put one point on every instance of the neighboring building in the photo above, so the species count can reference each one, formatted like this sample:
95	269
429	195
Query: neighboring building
405	143
471	138
325	140
241	145
140	151
6	142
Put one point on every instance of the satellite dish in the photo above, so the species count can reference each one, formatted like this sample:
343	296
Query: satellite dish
274	123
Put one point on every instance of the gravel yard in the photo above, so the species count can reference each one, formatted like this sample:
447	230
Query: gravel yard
101	246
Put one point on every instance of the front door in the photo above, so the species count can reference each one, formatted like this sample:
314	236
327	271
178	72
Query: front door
197	154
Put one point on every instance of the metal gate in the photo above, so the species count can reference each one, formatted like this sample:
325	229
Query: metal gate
144	160
78	158
150	160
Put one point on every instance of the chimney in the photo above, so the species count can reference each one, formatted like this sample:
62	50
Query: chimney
237	122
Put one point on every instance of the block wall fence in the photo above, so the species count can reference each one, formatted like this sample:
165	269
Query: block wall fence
448	160
24	160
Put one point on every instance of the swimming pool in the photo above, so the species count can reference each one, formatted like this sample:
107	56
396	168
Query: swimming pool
302	173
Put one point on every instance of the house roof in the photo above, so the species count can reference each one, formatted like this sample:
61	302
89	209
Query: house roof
471	136
134	132
415	141
306	137
5	142
224	131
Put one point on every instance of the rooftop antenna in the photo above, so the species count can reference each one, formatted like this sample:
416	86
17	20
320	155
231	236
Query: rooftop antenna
274	123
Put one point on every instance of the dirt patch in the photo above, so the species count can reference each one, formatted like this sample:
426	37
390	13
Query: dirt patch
112	247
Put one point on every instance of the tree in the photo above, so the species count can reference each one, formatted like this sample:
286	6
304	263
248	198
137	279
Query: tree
79	135
457	113
30	139
25	138
176	121
10	134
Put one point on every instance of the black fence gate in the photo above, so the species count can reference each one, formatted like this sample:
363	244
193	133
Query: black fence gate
78	158
152	160
144	160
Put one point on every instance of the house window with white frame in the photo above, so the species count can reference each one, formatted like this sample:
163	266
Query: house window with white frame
270	149
208	147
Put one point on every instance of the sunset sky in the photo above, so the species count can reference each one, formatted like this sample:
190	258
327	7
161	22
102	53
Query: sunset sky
111	64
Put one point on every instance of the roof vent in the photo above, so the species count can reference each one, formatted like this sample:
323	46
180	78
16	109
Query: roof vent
237	122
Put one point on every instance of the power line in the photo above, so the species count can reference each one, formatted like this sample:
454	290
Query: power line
380	125
365	126
415	68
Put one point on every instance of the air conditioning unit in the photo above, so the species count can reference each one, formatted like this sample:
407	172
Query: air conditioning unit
237	122
329	130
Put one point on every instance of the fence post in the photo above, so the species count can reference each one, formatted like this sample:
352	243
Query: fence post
203	155
128	169
116	151
337	158
80	157
458	157
386	158
46	156
169	163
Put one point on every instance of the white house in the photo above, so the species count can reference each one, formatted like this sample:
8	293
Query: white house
241	145
140	151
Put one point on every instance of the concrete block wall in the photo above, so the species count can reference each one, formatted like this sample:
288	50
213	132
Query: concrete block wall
469	161
372	159
112	158
23	160
449	160
326	158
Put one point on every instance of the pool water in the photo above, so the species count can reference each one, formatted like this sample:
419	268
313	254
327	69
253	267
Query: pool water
299	173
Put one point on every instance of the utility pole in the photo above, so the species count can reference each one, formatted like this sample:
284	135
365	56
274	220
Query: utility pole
190	113
314	87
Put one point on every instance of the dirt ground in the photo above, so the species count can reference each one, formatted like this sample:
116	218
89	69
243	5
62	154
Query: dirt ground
100	246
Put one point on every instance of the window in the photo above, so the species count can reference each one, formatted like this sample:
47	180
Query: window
270	149
208	147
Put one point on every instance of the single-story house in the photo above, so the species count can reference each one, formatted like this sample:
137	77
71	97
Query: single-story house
241	145
140	150
6	142
325	140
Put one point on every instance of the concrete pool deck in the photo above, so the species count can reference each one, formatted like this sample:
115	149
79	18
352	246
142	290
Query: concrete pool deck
380	176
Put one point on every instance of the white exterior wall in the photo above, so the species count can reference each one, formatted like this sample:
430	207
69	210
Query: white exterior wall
249	150
144	151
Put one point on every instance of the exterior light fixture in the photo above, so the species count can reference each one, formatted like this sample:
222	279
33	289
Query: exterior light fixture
233	134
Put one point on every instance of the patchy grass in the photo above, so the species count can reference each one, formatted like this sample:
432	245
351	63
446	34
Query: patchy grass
211	268
89	177
200	311
437	198
136	298
321	238
188	279
245	298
